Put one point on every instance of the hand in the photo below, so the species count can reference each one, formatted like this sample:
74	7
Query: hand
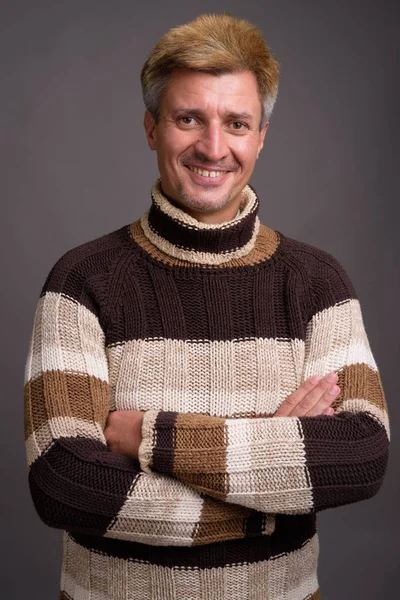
123	432
314	397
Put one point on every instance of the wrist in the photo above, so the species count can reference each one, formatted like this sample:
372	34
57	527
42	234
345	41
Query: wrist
145	451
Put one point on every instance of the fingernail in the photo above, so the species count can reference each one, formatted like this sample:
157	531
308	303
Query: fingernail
315	378
334	390
331	377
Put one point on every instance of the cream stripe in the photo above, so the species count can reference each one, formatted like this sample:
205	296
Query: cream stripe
155	510
302	571
28	364
290	576
41	439
355	352
100	579
271	475
246	434
292	501
194	256
338	339
189	376
67	337
72	362
76	575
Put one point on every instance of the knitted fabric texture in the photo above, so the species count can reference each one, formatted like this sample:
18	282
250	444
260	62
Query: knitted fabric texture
206	328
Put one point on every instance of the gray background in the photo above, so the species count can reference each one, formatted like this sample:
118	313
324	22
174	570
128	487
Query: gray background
75	165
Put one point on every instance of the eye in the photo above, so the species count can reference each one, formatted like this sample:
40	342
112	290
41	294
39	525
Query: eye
187	120
238	126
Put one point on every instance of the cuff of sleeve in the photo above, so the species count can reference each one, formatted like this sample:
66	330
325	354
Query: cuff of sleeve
145	451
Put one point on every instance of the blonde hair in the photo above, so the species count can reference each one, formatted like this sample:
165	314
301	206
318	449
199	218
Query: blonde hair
215	44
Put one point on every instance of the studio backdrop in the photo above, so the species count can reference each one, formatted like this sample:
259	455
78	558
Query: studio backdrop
75	165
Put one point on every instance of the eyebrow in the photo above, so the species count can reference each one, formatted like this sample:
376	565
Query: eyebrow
200	113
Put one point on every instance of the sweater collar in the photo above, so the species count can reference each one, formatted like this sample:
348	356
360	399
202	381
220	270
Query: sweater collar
176	233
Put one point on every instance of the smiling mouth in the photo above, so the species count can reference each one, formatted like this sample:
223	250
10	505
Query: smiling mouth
205	173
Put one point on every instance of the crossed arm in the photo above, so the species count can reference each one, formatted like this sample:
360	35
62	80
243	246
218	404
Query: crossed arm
301	460
199	476
123	432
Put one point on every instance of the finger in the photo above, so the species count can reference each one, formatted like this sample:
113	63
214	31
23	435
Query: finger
314	396
289	404
325	402
329	412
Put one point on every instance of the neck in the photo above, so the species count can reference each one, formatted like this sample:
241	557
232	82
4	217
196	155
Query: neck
179	234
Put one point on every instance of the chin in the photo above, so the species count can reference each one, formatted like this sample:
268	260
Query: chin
204	201
207	200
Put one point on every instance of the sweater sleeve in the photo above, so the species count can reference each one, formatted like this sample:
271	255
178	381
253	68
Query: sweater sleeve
290	464
76	483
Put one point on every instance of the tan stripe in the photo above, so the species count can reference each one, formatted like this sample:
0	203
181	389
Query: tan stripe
60	394
265	246
360	381
198	431
218	522
213	484
292	576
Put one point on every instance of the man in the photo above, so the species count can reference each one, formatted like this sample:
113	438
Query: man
198	384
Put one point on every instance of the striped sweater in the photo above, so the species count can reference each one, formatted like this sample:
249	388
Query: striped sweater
206	328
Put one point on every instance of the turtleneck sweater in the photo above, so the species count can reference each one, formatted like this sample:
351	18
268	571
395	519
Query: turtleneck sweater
207	328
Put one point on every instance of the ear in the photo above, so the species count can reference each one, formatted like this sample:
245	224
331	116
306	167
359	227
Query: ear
150	129
262	136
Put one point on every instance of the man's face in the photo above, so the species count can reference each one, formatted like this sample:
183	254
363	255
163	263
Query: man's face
207	139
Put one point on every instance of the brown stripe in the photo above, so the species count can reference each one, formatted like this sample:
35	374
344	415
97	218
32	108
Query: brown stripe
163	451
200	431
60	394
64	596
266	245
291	534
315	596
360	381
346	463
219	521
215	240
213	484
79	484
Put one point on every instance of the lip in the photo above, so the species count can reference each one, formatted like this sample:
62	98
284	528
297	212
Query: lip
209	181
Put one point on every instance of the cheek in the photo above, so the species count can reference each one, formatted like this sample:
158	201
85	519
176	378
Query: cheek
176	143
246	153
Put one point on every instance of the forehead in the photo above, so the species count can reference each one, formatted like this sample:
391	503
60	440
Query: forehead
206	91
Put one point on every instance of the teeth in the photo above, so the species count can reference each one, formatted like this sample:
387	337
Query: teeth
205	173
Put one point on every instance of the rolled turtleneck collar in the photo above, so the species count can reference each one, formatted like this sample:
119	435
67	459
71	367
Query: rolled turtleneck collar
175	232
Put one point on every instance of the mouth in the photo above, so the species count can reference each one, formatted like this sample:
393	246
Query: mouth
205	173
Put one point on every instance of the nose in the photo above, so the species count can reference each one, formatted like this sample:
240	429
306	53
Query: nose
212	143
